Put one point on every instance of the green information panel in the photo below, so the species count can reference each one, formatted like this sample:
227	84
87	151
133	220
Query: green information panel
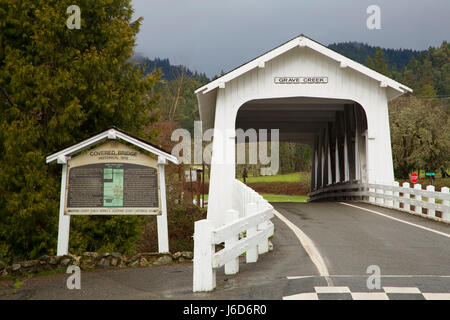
112	187
429	174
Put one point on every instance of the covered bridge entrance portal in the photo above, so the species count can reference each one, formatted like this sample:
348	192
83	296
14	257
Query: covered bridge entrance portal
313	95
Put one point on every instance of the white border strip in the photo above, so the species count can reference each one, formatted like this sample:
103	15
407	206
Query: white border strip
401	290
332	289
369	296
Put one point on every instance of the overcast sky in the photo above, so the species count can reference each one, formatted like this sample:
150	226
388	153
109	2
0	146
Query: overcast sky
214	35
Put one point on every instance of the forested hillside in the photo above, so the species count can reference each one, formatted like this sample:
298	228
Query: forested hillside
169	72
395	58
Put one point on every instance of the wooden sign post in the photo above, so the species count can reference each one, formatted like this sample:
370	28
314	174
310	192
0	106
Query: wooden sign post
112	179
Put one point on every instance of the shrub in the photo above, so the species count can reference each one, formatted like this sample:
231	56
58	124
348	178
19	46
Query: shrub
180	219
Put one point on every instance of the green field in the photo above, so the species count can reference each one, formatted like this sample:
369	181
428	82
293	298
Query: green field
284	198
279	198
290	177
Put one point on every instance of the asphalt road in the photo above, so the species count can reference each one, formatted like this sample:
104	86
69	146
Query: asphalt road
350	240
410	255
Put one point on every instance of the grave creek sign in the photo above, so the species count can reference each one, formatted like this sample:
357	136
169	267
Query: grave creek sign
301	80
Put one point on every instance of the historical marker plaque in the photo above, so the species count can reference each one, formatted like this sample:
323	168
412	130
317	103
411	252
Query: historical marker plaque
112	179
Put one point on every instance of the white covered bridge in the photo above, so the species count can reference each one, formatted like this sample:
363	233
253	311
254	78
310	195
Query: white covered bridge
313	95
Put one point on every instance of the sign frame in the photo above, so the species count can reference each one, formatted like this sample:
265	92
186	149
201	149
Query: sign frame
109	153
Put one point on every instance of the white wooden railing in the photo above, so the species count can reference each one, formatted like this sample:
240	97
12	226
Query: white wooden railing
247	230
423	202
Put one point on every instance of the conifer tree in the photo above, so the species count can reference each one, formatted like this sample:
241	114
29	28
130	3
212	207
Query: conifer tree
58	86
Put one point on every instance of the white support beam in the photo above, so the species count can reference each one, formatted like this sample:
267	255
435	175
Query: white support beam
357	155
338	172
313	166
64	220
346	163
163	231
329	171
322	163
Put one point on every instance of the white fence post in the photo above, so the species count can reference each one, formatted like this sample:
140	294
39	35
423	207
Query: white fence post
396	203
446	203
252	253
372	198
204	274
388	200
232	267
380	199
431	212
417	197
263	246
406	206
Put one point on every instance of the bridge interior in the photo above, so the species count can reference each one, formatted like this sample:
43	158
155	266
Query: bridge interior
335	129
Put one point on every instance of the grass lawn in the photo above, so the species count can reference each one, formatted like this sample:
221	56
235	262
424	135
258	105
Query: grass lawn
279	198
290	177
284	198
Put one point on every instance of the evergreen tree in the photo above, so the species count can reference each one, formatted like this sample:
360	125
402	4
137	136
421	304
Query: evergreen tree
378	63
58	86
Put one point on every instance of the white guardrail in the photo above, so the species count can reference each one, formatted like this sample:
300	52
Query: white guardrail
247	230
423	202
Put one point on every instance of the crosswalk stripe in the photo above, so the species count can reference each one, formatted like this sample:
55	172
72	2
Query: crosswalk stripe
302	296
436	296
332	289
369	296
401	290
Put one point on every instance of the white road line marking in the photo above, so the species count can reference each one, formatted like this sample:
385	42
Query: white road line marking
302	296
396	219
369	296
332	289
436	296
298	277
401	290
367	275
309	247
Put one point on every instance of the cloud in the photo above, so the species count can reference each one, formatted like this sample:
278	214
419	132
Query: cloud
211	35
